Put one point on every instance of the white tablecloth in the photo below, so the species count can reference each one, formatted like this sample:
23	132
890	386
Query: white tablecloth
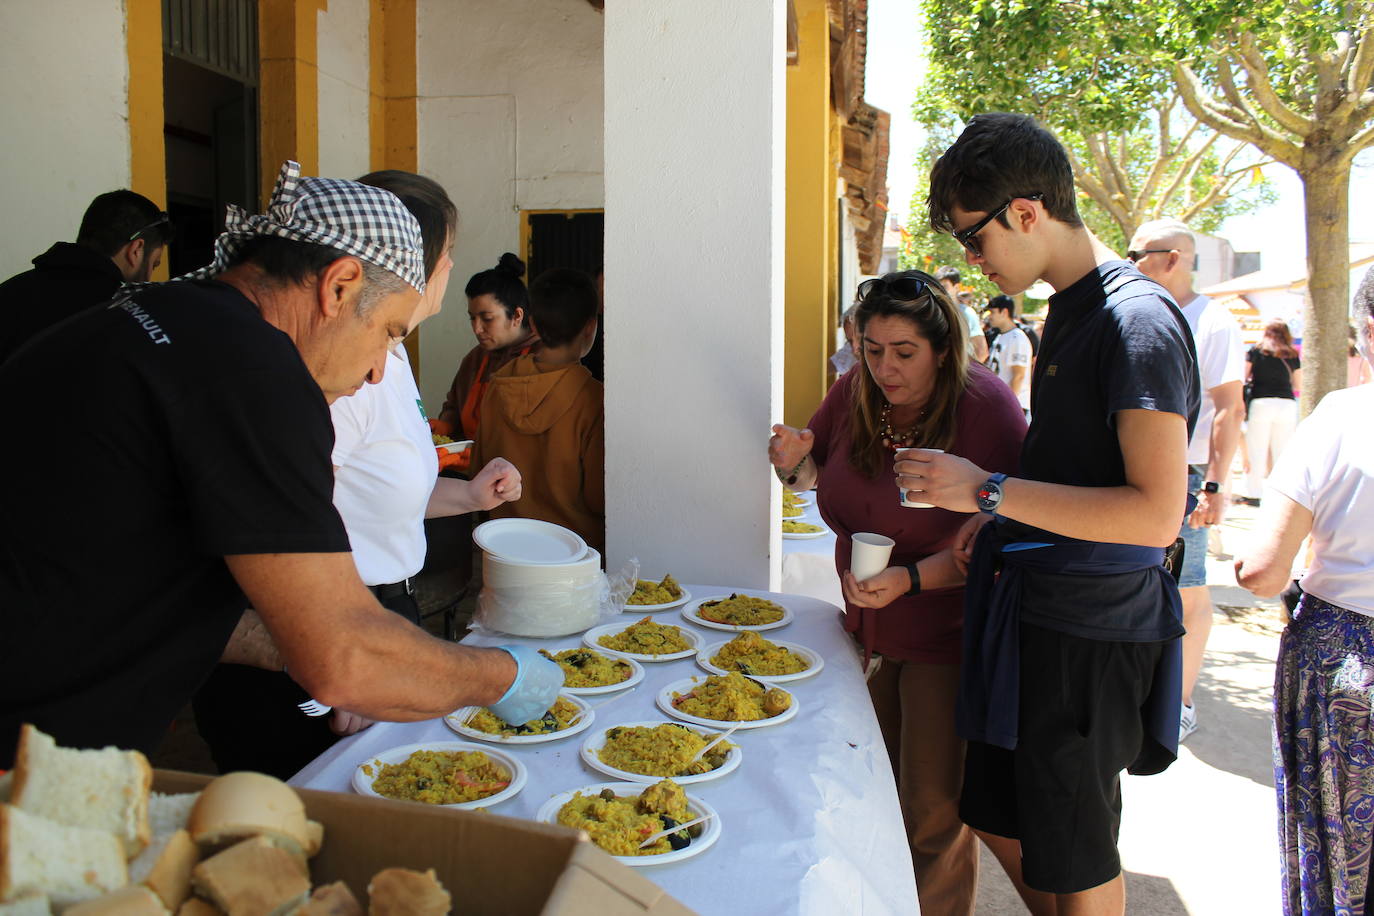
810	821
808	564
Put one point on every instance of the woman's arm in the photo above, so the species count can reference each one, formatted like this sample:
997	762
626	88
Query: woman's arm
939	570
497	483
1296	383
1268	567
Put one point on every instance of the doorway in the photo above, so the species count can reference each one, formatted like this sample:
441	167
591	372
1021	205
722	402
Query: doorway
210	101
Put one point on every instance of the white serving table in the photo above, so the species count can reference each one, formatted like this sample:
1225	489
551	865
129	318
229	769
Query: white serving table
808	564
810	820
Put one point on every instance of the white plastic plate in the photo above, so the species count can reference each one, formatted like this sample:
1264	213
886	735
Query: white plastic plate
805	535
610	629
813	660
636	675
455	719
455	447
597	740
664	700
689	613
527	540
548	814
362	783
650	608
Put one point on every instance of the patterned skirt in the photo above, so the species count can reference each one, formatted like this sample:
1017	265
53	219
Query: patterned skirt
1324	759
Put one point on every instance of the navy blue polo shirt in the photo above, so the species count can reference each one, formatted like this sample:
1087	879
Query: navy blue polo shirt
1113	341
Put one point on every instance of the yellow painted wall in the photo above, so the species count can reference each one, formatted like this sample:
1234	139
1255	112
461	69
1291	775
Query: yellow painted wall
147	150
810	249
288	90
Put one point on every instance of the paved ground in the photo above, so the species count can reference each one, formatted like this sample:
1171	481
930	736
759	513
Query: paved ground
1200	838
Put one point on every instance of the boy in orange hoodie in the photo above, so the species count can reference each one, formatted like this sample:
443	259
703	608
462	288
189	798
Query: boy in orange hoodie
544	413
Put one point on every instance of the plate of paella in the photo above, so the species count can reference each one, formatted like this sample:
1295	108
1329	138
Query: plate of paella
752	655
650	751
589	673
735	612
568	716
448	774
618	818
644	640
720	701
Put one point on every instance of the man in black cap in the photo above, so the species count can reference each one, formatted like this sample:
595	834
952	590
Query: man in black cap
121	240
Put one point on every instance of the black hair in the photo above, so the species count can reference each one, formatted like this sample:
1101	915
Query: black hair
999	157
288	261
428	202
562	301
114	219
1003	304
948	273
503	283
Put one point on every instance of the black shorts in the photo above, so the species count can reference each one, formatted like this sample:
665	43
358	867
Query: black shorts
1059	791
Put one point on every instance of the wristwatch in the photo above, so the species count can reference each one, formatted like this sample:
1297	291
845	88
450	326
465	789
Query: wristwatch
989	495
1211	486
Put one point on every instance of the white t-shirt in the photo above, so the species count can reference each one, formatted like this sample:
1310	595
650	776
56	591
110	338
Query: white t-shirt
386	469
1328	467
975	327
1220	359
1012	348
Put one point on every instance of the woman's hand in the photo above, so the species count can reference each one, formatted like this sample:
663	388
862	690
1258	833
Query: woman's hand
947	481
964	538
789	446
497	483
879	591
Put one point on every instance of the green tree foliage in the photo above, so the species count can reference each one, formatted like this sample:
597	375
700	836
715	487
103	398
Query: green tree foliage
1293	80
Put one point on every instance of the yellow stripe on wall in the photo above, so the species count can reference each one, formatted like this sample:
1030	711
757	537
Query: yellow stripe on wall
288	86
147	149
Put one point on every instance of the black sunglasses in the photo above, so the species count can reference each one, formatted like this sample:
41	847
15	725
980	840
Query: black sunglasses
903	289
163	222
1134	256
969	237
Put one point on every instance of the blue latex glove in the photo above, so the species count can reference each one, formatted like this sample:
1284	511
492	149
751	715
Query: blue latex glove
536	685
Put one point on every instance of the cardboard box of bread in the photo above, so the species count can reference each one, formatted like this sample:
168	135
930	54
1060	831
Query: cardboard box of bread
98	833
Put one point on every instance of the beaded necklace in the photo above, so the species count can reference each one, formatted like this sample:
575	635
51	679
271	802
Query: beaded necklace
893	440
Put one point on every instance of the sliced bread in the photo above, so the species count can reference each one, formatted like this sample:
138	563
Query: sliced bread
253	878
68	864
134	900
104	789
331	900
32	905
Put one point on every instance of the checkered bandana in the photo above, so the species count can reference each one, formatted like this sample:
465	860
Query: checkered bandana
369	223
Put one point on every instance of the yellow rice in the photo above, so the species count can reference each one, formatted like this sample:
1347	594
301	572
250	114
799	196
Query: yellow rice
589	668
750	653
740	611
619	824
732	698
563	710
644	637
662	750
650	592
441	777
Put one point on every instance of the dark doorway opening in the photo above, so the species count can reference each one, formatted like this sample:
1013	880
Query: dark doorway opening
210	112
564	239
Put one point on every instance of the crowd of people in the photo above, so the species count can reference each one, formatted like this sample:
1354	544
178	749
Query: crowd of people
266	465
1042	626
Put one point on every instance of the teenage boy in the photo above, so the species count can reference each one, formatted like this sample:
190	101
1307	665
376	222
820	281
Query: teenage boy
1071	667
545	414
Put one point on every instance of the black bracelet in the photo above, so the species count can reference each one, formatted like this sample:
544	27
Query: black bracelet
791	478
915	575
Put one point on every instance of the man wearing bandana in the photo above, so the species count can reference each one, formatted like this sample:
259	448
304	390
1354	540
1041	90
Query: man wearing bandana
191	418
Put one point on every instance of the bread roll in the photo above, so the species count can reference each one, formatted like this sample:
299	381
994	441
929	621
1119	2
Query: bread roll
332	900
68	864
103	790
403	892
253	878
134	900
239	805
194	906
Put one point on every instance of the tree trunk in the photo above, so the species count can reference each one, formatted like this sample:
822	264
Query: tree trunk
1326	202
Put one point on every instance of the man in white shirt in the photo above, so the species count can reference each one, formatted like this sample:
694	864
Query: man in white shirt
1011	349
1165	251
977	344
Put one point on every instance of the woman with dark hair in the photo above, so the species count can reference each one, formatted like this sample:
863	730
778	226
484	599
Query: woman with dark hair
498	306
917	388
1273	369
1323	486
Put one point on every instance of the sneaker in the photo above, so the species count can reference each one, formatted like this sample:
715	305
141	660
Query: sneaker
1187	723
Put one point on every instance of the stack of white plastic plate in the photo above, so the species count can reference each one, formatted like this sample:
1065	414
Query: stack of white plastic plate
538	579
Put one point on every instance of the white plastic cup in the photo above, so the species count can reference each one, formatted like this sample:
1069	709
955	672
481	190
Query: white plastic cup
910	502
869	554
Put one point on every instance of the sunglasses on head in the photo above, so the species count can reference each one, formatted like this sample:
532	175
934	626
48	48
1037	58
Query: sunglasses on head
903	289
969	237
163	222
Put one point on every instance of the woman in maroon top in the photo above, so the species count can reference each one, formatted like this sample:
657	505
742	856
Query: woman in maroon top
916	388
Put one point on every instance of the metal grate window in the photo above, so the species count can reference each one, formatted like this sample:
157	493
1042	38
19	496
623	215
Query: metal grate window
220	35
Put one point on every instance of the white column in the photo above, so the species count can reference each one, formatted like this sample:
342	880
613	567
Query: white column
694	148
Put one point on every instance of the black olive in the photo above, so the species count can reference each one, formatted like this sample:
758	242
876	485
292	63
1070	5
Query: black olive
696	830
681	726
421	784
550	721
608	794
744	668
678	840
579	659
613	732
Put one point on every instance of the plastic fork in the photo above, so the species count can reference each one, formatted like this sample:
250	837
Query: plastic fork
590	706
314	708
717	740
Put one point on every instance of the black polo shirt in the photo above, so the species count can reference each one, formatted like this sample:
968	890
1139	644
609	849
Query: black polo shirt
149	439
65	280
1113	341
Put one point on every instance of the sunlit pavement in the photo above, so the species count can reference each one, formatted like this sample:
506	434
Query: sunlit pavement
1201	838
